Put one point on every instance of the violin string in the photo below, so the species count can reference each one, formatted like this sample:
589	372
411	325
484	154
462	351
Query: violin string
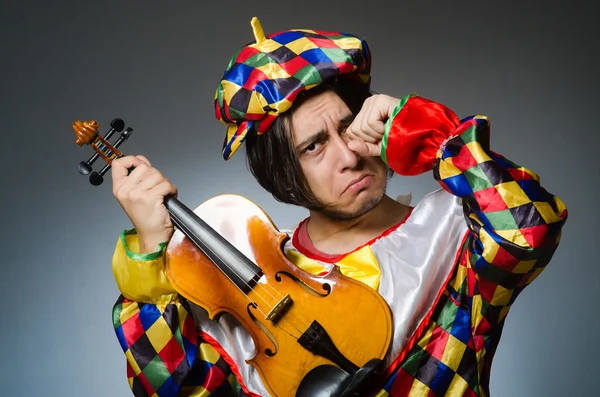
269	307
259	295
207	248
303	322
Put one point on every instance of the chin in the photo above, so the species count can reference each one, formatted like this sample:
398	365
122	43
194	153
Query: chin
359	207
368	203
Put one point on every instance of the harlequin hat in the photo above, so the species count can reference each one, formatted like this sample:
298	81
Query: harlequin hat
263	78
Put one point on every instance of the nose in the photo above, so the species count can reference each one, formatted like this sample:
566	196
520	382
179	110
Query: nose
346	158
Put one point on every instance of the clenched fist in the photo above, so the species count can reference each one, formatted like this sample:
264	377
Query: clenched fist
366	131
141	193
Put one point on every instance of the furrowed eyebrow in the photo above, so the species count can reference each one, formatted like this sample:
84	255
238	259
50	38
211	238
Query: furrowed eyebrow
319	136
322	135
347	120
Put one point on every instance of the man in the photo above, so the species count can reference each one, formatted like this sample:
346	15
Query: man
450	267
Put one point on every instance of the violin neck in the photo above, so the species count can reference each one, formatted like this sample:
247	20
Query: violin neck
235	265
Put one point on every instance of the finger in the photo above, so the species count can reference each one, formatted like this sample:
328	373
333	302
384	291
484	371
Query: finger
367	136
368	114
376	129
356	130
166	188
144	159
120	169
354	127
372	124
389	106
373	129
381	109
151	180
362	125
349	135
140	173
123	166
364	149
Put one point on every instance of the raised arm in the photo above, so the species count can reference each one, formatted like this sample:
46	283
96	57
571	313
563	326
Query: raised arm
515	223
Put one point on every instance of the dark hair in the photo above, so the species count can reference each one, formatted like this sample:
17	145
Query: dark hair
272	158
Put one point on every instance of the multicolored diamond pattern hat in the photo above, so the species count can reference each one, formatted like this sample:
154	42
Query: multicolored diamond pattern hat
263	78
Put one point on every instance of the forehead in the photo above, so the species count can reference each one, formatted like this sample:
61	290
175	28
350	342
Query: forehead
317	114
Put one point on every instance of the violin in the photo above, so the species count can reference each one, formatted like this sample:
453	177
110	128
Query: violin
314	335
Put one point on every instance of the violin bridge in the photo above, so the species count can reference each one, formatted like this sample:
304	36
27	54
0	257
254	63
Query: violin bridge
280	309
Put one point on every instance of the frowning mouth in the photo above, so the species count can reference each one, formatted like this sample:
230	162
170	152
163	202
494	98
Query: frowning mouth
359	183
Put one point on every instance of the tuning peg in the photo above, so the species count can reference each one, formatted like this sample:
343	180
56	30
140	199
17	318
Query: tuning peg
96	179
87	133
84	168
125	135
116	125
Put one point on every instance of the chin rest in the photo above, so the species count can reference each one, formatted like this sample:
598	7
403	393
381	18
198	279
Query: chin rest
332	381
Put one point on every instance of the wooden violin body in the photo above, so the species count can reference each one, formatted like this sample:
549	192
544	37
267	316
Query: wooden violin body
283	301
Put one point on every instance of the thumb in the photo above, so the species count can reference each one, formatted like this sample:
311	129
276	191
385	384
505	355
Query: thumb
363	148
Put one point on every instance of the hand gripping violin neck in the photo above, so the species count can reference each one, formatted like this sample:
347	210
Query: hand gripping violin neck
314	336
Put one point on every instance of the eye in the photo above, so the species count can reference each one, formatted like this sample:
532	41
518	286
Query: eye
313	148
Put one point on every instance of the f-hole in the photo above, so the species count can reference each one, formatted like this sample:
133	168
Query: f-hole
268	351
326	287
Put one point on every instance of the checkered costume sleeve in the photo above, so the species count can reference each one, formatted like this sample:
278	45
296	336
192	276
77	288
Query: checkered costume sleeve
167	355
515	223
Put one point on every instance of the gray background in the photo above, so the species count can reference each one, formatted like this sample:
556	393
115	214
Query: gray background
531	68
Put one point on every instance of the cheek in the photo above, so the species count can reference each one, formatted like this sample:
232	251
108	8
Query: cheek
318	178
379	168
375	164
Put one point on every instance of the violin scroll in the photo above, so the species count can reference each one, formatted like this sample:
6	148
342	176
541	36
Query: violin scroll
86	133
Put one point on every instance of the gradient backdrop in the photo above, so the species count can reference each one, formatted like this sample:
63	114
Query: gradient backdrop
533	69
